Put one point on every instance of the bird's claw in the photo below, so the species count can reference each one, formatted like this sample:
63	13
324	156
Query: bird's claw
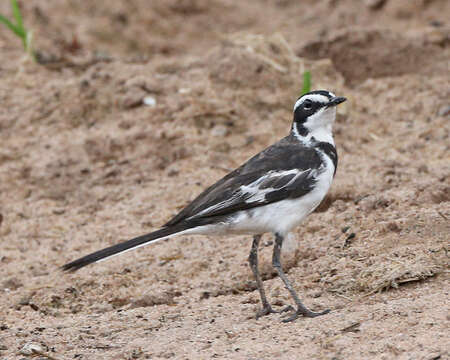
266	310
305	313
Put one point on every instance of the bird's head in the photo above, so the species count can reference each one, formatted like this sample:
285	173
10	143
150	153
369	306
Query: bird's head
315	112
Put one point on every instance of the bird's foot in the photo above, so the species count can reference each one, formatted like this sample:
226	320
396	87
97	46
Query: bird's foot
267	309
306	313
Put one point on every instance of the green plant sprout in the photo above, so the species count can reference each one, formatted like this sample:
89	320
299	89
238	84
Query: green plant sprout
306	82
19	29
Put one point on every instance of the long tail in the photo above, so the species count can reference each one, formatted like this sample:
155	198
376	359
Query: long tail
125	246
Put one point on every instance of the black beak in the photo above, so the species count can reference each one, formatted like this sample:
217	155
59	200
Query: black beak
336	101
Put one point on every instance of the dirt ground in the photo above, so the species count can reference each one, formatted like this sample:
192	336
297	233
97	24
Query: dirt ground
136	106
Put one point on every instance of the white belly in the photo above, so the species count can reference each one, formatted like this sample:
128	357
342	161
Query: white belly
279	217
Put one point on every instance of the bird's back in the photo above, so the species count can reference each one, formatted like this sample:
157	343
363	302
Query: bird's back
274	168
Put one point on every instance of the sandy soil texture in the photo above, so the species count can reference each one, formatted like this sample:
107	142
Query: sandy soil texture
136	106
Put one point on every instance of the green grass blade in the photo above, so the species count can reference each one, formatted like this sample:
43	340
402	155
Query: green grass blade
19	23
306	82
11	26
18	28
17	15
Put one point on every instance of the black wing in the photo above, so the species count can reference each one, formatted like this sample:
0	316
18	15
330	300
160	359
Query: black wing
284	170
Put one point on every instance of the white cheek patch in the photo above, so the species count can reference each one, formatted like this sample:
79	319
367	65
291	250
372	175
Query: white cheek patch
323	118
314	119
318	126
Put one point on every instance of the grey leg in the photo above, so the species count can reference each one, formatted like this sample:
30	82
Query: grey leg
301	309
253	260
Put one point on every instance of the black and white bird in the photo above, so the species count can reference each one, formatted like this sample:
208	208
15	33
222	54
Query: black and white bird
273	192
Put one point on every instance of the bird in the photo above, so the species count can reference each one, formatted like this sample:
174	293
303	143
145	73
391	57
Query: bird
273	192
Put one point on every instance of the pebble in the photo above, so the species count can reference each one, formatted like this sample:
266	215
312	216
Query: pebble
444	110
437	36
219	131
31	349
149	101
59	211
102	308
223	147
25	300
374	4
184	90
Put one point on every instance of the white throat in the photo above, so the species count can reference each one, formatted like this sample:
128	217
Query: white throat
319	126
322	134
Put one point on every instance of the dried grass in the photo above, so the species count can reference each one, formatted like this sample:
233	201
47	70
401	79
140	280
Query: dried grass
391	272
385	271
274	50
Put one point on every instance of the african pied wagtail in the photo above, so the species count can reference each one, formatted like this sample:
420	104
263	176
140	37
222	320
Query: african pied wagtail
274	192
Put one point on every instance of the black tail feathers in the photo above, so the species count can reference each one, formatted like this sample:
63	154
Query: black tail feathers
124	246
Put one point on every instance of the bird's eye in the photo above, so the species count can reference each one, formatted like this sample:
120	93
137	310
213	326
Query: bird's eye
307	105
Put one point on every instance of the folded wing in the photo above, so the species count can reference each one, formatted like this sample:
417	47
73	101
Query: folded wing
282	171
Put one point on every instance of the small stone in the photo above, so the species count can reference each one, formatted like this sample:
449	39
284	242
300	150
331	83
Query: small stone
184	90
59	211
130	102
393	226
12	284
436	36
25	300
133	98
436	23
31	349
444	110
102	308
149	101
219	131
223	147
172	173
375	4
423	168
158	298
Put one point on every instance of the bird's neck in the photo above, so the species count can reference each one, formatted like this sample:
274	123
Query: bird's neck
310	136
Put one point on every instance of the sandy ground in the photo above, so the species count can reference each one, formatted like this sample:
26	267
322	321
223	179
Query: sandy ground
137	106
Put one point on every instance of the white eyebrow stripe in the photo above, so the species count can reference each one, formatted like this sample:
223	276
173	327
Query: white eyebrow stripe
312	97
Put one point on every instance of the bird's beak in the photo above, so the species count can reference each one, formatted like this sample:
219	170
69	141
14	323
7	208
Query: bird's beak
335	101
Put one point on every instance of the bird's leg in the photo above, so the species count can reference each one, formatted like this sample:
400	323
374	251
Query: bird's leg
301	309
253	260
